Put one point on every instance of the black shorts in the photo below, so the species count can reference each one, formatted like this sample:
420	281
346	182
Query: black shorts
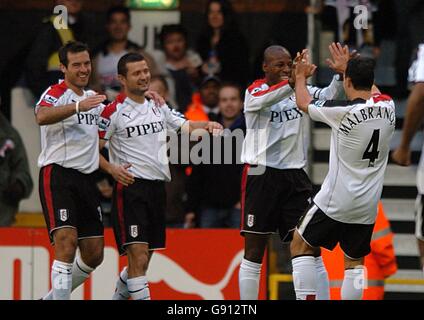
138	214
70	199
274	201
419	225
319	230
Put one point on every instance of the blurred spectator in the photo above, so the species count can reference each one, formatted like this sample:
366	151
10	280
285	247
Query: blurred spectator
410	16
42	64
213	190
106	56
180	65
222	46
339	16
15	178
175	189
204	103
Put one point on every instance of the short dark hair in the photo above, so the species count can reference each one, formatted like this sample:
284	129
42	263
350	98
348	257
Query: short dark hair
128	58
361	71
168	29
118	9
73	47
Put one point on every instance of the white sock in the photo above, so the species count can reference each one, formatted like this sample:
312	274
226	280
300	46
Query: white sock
323	284
61	278
353	284
305	277
138	288
80	272
249	276
121	291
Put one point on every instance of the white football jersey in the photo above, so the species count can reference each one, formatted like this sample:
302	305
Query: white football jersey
73	142
416	74
137	136
275	135
361	131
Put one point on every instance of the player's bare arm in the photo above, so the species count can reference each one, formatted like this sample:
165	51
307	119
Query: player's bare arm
304	69
210	126
119	173
51	115
413	118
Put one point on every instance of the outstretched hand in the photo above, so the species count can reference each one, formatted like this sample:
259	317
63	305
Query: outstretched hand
340	57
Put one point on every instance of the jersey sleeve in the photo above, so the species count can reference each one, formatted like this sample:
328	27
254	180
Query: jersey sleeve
258	96
330	112
50	97
174	119
106	121
333	91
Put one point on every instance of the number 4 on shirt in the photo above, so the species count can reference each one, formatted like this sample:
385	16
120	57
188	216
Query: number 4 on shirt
371	152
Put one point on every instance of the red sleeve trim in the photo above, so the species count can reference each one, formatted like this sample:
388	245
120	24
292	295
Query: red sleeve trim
381	97
259	83
50	97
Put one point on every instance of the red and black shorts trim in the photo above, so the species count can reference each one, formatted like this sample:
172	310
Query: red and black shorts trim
319	230
138	214
273	201
70	199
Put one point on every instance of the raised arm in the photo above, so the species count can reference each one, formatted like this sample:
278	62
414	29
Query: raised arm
304	69
413	118
48	114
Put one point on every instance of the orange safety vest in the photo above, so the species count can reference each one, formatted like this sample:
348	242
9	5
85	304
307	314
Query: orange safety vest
380	263
195	110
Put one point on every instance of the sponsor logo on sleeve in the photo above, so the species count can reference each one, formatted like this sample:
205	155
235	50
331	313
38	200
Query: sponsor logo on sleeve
104	123
50	99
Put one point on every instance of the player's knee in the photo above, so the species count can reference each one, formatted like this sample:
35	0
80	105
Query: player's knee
254	255
94	258
138	260
298	246
66	246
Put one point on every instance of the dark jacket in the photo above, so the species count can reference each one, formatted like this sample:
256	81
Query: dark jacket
15	177
233	54
217	185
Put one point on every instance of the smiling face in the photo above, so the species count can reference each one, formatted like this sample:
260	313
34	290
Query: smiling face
230	103
277	67
137	79
78	70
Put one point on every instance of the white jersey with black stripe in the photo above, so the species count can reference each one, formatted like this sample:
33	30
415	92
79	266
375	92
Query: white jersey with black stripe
416	74
361	131
137	136
276	129
72	142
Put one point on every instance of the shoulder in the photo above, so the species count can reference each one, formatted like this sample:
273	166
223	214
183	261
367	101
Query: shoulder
52	95
257	85
381	97
112	107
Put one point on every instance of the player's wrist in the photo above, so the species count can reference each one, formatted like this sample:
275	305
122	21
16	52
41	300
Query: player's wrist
77	107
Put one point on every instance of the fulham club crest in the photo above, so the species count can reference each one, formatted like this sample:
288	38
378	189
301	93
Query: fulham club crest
156	111
63	213
250	220
134	231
